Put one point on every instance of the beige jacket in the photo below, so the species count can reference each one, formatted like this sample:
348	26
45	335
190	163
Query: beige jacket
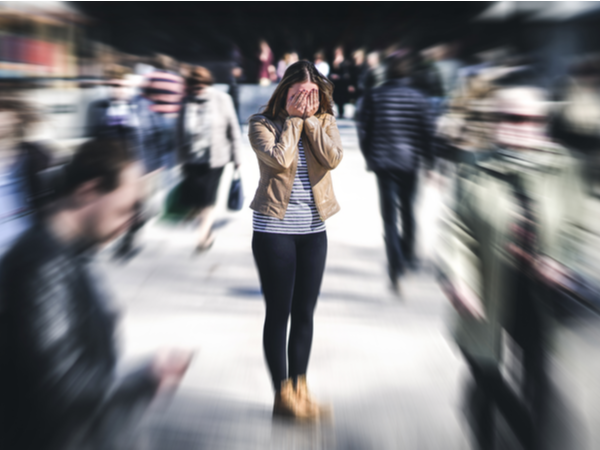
276	145
226	136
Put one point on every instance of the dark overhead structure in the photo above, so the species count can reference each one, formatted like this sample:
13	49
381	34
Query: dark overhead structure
196	31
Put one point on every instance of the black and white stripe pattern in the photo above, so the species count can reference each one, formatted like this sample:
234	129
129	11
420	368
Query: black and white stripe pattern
301	216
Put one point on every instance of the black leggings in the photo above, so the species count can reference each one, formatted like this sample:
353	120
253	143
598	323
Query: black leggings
291	270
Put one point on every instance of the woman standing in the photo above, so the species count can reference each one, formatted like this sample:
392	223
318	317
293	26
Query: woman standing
297	144
209	137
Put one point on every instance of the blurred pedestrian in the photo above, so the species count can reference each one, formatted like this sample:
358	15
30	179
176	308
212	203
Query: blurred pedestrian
236	76
297	144
121	116
22	190
340	75
357	72
510	258
209	137
375	75
266	71
321	63
58	384
394	135
426	78
165	88
363	76
448	67
287	60
115	116
151	120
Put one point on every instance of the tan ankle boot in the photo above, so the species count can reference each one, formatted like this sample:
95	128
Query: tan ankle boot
304	397
287	404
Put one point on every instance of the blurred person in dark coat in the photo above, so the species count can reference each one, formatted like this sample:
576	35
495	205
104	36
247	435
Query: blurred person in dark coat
375	73
23	192
511	253
58	384
209	137
394	135
340	74
358	71
236	76
371	75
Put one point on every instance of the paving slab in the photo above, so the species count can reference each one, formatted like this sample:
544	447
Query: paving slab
385	364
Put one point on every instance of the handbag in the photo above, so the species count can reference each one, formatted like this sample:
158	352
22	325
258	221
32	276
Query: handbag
235	201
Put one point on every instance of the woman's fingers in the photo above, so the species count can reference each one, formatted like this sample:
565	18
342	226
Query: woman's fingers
302	99
312	102
292	99
305	102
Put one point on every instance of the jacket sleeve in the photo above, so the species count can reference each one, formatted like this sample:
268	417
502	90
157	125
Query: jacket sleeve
276	153
233	131
325	141
78	376
577	230
364	124
458	253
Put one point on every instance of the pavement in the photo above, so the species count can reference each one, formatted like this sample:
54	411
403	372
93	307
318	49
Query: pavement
385	364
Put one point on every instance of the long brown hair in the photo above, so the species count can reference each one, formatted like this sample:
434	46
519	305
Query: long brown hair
300	72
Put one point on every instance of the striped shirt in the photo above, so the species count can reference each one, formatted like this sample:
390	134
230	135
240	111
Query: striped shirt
301	216
166	91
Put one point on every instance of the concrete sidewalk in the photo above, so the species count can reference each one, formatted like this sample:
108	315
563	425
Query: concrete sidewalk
386	365
383	363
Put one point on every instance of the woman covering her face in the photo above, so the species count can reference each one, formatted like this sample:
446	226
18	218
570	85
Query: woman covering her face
297	144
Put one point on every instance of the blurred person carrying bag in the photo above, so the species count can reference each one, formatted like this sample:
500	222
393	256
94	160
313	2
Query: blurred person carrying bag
209	137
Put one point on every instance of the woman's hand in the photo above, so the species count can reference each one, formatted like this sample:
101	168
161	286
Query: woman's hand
312	104
296	104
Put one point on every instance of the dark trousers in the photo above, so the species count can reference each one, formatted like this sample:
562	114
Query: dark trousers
291	270
126	246
490	392
396	197
524	410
